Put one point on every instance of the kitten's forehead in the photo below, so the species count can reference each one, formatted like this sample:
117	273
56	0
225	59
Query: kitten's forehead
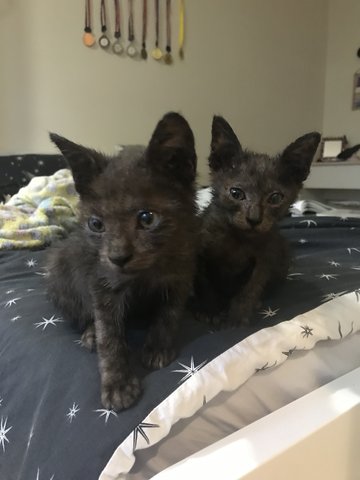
130	154
129	157
128	184
256	164
122	168
253	170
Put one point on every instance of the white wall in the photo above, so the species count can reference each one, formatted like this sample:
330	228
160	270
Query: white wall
260	63
341	64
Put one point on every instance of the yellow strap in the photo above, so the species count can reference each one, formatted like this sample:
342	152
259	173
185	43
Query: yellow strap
181	25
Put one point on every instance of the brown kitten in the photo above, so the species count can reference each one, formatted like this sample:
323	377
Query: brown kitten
132	258
242	251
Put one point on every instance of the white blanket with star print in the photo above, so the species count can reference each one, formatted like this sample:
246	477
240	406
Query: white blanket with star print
265	349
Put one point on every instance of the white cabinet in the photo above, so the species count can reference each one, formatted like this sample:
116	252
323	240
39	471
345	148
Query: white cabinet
333	181
336	175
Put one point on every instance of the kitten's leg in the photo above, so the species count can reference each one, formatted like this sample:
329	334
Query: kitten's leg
249	298
120	388
243	306
206	304
246	300
159	349
206	309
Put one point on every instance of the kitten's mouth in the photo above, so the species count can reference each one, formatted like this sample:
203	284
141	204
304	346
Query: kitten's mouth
133	269
259	228
254	230
129	271
129	268
123	271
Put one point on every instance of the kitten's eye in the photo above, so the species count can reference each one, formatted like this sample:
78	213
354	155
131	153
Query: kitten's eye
148	219
96	224
237	193
275	198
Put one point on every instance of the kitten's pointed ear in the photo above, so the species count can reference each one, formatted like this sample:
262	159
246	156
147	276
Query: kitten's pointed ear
85	163
224	144
171	150
297	157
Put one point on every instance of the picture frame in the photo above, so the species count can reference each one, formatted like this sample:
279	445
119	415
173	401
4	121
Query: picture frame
331	147
356	92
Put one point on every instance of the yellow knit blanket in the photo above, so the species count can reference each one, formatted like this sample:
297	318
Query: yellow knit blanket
42	211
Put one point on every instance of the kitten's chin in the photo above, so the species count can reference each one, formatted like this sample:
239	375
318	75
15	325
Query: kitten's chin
253	230
261	228
128	272
118	277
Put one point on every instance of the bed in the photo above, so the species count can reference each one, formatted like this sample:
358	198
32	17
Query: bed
52	424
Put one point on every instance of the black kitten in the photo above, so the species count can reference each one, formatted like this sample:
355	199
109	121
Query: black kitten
132	257
242	250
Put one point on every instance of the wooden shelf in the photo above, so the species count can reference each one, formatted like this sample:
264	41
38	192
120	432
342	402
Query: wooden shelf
335	164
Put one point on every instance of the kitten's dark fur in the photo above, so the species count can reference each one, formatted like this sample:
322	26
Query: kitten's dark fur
242	251
132	257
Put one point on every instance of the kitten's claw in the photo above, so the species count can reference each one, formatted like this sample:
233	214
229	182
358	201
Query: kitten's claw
157	358
121	395
88	338
236	319
219	320
202	317
210	319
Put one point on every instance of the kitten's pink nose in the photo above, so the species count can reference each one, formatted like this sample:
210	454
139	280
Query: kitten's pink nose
120	260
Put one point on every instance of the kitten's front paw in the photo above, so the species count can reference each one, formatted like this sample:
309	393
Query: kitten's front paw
157	357
219	320
88	338
239	315
213	320
120	395
202	317
238	321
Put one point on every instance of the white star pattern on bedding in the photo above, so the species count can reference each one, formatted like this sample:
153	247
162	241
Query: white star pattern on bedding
4	429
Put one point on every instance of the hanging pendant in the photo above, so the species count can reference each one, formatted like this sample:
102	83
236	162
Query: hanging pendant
143	53
168	59
104	42
131	50
88	39
117	47
181	30
157	54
